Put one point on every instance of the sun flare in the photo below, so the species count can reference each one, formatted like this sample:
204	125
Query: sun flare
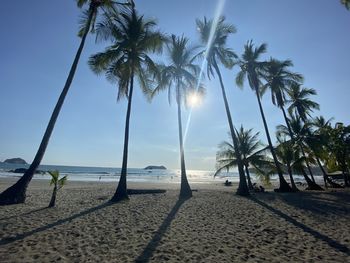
193	100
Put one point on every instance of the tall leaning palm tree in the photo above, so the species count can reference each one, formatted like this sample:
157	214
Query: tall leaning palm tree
133	38
216	52
180	76
278	79
17	192
252	68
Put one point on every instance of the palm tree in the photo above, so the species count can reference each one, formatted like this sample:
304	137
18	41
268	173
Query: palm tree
278	80
289	156
182	75
300	135
318	143
252	68
57	185
250	150
339	147
17	192
302	106
216	52
133	39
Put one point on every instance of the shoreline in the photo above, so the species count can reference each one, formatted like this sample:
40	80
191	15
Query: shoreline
215	225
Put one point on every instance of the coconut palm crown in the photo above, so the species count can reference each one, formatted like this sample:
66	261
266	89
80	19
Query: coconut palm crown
251	150
300	104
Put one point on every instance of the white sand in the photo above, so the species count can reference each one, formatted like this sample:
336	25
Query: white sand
213	226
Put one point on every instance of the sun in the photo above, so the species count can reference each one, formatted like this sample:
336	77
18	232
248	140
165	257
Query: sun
193	99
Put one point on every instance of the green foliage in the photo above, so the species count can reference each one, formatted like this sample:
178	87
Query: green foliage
278	79
252	153
217	51
251	67
338	147
133	38
59	183
181	73
108	7
300	104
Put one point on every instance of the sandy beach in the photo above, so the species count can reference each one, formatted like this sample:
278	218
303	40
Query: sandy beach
213	226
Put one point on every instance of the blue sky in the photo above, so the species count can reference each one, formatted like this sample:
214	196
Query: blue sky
39	41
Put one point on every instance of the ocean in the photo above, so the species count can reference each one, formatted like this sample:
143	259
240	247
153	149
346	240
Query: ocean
106	174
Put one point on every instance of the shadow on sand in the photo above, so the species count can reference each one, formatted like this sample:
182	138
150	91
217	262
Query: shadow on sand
9	240
319	203
332	243
147	253
25	214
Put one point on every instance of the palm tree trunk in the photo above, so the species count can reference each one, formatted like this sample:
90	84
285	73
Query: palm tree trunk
53	197
284	186
325	176
292	138
307	163
344	170
250	185
310	184
294	187
185	190
242	187
121	192
17	192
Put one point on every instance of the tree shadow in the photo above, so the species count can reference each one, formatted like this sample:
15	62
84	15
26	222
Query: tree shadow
340	195
25	214
318	203
147	253
9	240
331	242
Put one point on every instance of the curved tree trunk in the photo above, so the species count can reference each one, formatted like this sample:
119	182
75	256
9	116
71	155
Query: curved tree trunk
310	184
292	138
242	187
300	146
284	186
326	177
185	189
121	193
294	187
307	163
345	176
250	185
17	192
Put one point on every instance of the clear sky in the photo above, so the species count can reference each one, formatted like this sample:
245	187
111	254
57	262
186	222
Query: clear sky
38	43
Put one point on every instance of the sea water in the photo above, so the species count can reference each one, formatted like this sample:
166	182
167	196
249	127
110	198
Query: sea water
106	174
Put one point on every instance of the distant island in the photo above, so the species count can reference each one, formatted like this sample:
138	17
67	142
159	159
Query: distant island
15	161
154	167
